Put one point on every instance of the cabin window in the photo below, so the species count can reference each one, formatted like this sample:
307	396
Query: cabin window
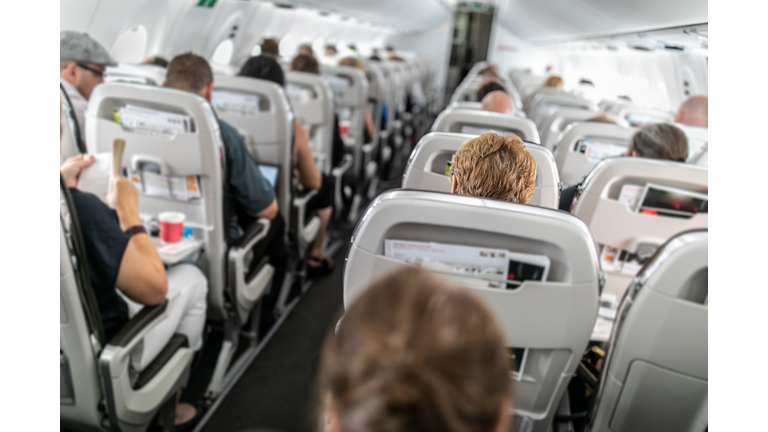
223	53
256	50
288	46
130	47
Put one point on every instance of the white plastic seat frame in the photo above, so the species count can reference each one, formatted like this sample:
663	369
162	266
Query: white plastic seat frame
426	167
542	104
614	224
553	318
556	121
136	74
466	92
455	120
315	114
573	165
655	375
200	153
92	375
698	140
624	112
532	91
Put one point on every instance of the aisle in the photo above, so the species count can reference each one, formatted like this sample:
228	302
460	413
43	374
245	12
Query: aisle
277	390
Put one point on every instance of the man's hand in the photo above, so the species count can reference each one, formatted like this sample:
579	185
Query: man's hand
72	168
124	198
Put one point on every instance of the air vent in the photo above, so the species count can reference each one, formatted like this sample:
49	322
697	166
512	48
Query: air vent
285	5
674	47
641	48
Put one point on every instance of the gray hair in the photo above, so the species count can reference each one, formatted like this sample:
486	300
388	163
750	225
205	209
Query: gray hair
660	141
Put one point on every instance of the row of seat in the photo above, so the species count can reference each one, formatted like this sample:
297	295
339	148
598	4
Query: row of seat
235	286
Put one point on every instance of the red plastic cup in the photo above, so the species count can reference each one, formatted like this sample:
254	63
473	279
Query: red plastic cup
344	128
171	226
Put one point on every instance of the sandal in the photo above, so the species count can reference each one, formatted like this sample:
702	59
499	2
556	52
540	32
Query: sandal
322	268
189	424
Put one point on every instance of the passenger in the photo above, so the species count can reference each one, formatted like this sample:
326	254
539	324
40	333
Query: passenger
249	195
330	51
555	82
306	49
305	63
601	118
490	77
498	101
694	112
155	61
490	69
654	141
267	68
270	47
127	274
488	88
83	62
369	127
494	166
415	353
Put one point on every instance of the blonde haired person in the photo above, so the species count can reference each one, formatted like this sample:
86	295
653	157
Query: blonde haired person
555	82
494	166
357	63
416	353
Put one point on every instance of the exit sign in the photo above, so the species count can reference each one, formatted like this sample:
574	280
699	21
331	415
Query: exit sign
206	3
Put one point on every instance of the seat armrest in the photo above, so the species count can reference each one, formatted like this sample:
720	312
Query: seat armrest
301	201
139	322
249	237
343	167
247	290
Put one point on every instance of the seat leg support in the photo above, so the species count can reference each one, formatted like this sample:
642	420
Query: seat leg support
228	348
169	414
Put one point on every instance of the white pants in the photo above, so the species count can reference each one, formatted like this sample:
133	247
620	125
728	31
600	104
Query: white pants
186	314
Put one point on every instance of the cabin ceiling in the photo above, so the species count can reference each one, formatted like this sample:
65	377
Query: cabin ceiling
547	21
403	15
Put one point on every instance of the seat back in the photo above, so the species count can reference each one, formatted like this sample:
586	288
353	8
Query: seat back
543	104
583	144
533	89
311	99
479	121
268	130
656	371
80	324
426	169
701	157
136	74
71	133
698	137
198	153
557	120
377	93
464	105
638	116
615	225
552	319
350	89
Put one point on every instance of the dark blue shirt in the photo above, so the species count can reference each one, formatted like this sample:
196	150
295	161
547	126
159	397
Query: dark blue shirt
248	189
105	245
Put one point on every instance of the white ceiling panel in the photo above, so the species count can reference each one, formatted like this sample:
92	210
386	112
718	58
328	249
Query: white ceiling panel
556	20
407	15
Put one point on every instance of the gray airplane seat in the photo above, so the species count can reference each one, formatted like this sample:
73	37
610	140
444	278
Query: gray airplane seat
583	144
633	205
464	105
311	99
426	168
533	89
557	120
99	388
698	140
175	155
135	74
377	90
656	376
350	87
542	104
637	116
476	122
548	321
72	143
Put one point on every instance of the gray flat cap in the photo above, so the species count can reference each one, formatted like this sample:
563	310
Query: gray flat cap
83	48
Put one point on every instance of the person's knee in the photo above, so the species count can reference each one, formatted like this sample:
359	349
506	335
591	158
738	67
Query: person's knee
190	280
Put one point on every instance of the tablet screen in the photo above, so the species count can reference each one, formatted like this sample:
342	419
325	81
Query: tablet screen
671	202
270	173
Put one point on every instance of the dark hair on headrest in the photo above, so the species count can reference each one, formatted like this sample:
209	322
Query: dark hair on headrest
188	72
305	63
487	88
263	67
660	141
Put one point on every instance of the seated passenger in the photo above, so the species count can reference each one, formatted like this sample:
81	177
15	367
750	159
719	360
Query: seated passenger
155	61
267	68
601	118
490	77
306	49
127	273
694	112
83	62
487	88
498	101
494	166
369	127
415	353
490	69
555	82
330	51
654	141
270	47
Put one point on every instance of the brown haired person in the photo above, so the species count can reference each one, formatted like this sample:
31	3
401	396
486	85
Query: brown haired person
654	141
555	82
416	353
494	166
487	88
356	63
270	47
601	118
